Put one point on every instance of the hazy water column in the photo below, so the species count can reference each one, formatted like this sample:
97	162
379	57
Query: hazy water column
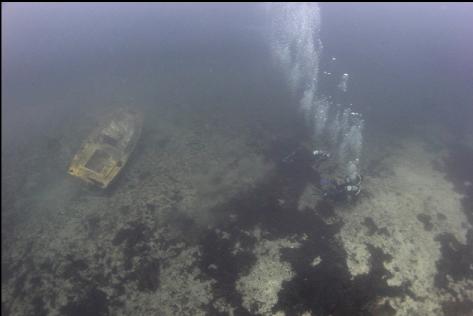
296	47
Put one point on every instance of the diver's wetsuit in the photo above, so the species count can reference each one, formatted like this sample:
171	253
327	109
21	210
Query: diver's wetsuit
340	191
300	162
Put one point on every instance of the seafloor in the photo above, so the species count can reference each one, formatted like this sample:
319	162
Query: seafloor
206	220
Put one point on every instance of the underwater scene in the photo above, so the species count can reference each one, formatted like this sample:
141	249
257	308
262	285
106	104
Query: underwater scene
237	159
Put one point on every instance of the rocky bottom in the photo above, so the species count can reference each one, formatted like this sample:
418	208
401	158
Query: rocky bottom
274	247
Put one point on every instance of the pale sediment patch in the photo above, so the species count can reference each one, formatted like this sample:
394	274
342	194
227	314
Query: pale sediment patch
308	198
393	203
260	288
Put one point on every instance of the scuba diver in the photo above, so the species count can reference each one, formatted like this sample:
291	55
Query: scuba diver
345	190
333	189
301	152
320	155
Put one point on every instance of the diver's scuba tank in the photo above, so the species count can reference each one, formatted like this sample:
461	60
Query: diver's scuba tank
320	155
353	185
343	190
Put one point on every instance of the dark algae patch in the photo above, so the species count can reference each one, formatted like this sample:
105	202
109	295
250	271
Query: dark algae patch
458	308
74	268
324	289
92	302
327	289
146	275
459	169
38	306
456	259
426	221
140	267
134	239
373	228
455	263
219	263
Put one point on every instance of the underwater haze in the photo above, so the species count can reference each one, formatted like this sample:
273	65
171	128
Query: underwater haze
292	159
